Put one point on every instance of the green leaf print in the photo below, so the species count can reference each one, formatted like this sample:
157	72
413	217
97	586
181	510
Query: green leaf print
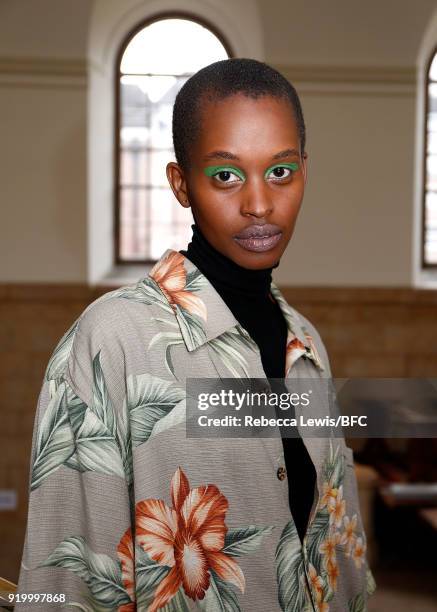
171	339
56	366
75	407
195	281
124	441
101	573
192	325
96	447
100	446
290	570
145	291
370	582
101	405
102	440
245	540
220	596
357	604
54	443
148	574
149	399
176	416
334	466
84	438
228	347
178	603
317	534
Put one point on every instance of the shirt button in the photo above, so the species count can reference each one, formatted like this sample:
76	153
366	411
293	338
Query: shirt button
281	473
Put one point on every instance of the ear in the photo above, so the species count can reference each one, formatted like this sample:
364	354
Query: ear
178	183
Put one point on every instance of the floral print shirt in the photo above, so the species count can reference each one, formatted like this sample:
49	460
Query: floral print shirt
128	513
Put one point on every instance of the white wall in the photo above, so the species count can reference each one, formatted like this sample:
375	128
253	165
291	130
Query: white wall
344	32
353	64
43	115
355	225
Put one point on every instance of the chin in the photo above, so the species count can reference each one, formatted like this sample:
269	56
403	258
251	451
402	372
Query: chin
258	261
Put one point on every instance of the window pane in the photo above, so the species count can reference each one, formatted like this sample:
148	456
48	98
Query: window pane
142	209
151	52
146	108
432	142
171	223
433	69
144	166
431	172
133	223
156	63
430	212
432	99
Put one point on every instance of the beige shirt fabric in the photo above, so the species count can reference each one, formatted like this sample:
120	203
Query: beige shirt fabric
127	512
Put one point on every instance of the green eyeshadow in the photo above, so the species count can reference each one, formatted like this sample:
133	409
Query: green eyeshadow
212	170
290	166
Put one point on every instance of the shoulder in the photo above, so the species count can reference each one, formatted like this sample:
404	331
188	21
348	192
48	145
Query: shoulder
108	325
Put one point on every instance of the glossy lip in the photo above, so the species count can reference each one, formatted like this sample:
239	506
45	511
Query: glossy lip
265	230
259	244
259	237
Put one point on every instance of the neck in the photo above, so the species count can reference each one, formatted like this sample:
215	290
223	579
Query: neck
224	272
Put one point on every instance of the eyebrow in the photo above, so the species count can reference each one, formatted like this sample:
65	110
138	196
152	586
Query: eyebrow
228	155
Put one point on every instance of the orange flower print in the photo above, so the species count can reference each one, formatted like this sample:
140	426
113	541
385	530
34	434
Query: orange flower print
316	582
332	535
170	274
125	551
348	536
333	572
328	492
327	547
294	349
358	552
337	507
188	537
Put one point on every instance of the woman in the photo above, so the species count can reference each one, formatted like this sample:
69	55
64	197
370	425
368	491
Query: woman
127	510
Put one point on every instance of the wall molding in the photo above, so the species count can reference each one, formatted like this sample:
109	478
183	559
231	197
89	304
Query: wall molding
311	79
351	80
43	72
398	75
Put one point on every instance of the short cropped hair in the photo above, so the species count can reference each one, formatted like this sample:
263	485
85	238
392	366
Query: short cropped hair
220	80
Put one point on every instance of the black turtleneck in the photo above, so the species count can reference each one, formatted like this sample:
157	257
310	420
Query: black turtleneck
247	294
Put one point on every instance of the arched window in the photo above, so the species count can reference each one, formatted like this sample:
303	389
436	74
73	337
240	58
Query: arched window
153	64
429	215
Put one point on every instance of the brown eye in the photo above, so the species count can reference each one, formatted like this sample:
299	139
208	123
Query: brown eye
226	177
279	172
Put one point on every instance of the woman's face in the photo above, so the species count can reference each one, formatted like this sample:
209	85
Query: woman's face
246	177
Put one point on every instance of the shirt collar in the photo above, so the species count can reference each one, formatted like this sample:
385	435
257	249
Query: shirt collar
202	314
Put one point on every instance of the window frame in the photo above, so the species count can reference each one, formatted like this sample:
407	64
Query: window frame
425	265
117	114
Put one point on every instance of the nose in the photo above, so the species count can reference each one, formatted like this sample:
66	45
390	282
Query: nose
255	200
